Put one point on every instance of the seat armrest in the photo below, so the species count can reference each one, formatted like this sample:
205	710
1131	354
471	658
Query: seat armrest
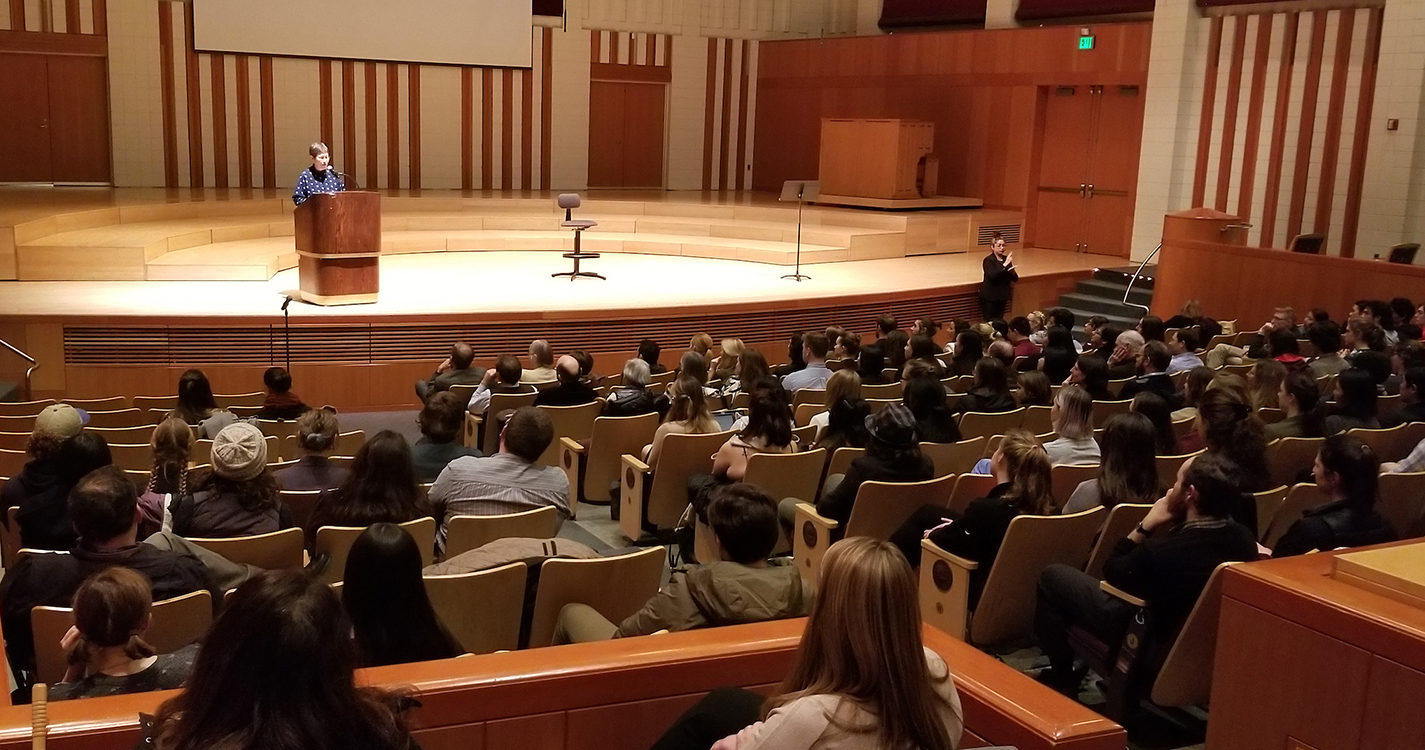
945	589
573	459
634	482
471	436
811	536
1118	593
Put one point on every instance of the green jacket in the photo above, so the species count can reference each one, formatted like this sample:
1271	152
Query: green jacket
722	593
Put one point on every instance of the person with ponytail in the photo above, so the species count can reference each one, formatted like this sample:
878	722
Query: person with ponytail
1299	398
317	431
171	442
1231	431
688	414
1347	471
106	649
861	679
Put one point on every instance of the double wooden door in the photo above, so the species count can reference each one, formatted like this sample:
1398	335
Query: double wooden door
626	134
54	118
1088	168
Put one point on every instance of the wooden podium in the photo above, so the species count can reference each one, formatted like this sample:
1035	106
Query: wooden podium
339	248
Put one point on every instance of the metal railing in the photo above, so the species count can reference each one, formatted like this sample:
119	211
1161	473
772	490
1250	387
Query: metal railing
1138	273
34	364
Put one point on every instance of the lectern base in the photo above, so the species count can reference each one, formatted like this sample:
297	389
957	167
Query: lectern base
335	300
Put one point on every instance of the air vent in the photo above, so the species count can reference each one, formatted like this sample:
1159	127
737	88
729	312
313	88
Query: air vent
1010	232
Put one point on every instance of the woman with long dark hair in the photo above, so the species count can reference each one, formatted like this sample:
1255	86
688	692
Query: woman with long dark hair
990	392
768	430
845	426
277	672
923	348
1034	389
896	342
1347	471
935	423
969	350
198	407
1300	399
381	488
1127	472
1059	355
1160	414
892	455
391	616
1090	372
1355	397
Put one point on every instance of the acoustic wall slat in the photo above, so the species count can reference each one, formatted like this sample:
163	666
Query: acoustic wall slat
195	103
269	124
413	102
169	93
393	125
1229	114
219	97
244	122
1307	126
1335	111
372	103
326	99
708	114
546	139
467	128
487	128
101	18
1255	103
1357	175
1278	148
1209	98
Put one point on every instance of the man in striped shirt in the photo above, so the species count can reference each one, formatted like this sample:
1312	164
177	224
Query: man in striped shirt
510	481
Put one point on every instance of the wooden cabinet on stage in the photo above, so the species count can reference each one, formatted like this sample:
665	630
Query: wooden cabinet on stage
888	159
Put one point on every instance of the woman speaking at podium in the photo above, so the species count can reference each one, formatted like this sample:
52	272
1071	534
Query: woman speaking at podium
1000	276
317	178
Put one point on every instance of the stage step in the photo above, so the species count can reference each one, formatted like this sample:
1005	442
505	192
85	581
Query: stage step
10	391
1103	295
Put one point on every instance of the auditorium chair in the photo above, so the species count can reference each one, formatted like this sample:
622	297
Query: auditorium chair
1168	466
885	390
805	436
1037	419
1102	410
464	533
336	542
802	415
155	402
1004	615
1114	386
345	446
968	489
108	403
1221	338
839	463
1311	244
1184	427
280	429
271	551
132	457
1241	369
174	623
1402	502
958	383
125	418
227	401
477	435
808	396
14	441
1389	444
573	422
301	503
783	475
10	538
1404	253
1289	457
954	458
129	435
877	404
1122	520
481	609
1299	499
563	581
24	408
11	462
25	424
1064	479
593	469
879	509
652	498
1176	674
976	424
1327	383
1387	403
1270	415
1268	502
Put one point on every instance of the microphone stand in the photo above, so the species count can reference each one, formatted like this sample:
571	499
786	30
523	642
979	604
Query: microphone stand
287	329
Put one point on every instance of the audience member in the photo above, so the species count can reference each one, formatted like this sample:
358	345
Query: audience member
892	455
990	392
846	425
814	371
571	390
736	584
506	377
1123	362
871	363
895	349
1104	340
934	422
795	363
317	431
104	509
1003	351
1355	402
649	351
392	620
1263	382
1092	328
969	349
106	650
847	352
1326	338
1412	389
725	365
843	385
1090	372
1183	349
198	407
1127	472
751	367
171	443
768	430
1299	398
1169	570
632	397
1072	417
1059	354
1152	329
238	496
54	426
924	326
1034	389
861	677
885	324
1019	336
688	414
1195	384
702	344
277	671
1152	374
1190	315
441	422
1230	430
457	369
60	456
281	402
585	363
1160	415
509	481
1347	472
382	488
541	359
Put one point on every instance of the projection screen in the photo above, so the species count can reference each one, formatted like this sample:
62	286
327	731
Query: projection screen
452	32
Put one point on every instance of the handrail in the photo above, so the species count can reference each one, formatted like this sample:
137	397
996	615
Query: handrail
1136	275
34	364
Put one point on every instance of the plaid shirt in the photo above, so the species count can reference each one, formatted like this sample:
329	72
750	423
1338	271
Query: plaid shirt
1413	462
502	483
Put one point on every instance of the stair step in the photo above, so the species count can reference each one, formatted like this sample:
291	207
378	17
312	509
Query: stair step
1122	274
1096	305
9	391
1114	291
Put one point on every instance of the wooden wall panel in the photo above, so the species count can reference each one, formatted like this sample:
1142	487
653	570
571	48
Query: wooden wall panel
725	149
79	113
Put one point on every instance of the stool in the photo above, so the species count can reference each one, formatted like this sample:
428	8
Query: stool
569	202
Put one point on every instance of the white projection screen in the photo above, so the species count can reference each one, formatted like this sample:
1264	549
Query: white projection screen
450	32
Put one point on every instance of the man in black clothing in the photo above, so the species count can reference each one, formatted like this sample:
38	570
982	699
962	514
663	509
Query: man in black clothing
571	391
104	509
457	369
1169	570
1412	389
884	325
1153	363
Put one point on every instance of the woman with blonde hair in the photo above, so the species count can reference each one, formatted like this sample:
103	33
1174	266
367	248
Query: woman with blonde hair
1072	417
171	442
842	385
862	677
688	414
725	365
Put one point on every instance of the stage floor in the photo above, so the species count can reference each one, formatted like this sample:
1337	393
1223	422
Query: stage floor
518	284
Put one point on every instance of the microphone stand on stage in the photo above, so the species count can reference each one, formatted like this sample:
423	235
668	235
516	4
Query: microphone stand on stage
287	329
799	191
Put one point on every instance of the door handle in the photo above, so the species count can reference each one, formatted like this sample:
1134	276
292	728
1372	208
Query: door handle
1081	190
1090	189
44	123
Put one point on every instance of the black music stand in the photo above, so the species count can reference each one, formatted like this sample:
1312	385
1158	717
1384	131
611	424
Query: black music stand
800	191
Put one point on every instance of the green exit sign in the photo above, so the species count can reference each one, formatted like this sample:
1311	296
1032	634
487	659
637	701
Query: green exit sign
1085	42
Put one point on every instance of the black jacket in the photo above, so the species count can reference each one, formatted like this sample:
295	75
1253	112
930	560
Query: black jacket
838	503
566	394
630	402
1334	525
987	402
999	281
1154	382
978	535
1407	413
1171	570
42	495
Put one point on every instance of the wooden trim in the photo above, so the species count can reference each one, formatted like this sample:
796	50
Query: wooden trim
1204	129
244	121
668	50
742	115
17	15
467	128
630	73
48	43
1356	177
546	83
349	161
1254	116
269	123
71	17
324	70
1335	112
393	126
373	156
527	128
1272	194
709	109
413	98
1229	112
613	47
217	64
650	50
725	137
507	135
1310	91
169	94
195	103
596	42
101	18
487	128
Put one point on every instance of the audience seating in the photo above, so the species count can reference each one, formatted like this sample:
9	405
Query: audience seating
10	538
1402	502
1102	410
805	436
1299	499
301	503
886	390
840	462
573	422
110	403
167	403
1184	427
464	533
1004	615
1269	502
25	424
564	582
594	468
1270	415
1122	520
278	428
481	609
1168	467
808	396
879	509
125	418
336	541
24	408
877	404
1036	419
134	457
271	551
14	441
954	458
477	431
804	412
969	488
227	401
128	435
1389	444
974	424
1387	403
175	623
1064	479
783	475
1288	458
11	462
346	445
653	497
